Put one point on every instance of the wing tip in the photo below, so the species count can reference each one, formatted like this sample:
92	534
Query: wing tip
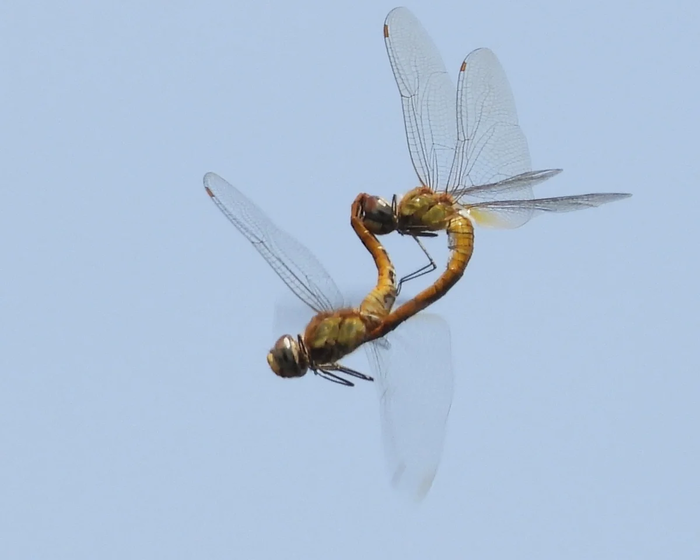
414	486
394	12
210	178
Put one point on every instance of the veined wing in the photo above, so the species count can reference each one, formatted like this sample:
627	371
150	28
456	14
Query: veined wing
427	97
491	147
511	189
412	368
509	213
292	261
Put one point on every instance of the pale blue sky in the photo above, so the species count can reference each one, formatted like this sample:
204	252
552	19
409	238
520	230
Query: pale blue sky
138	418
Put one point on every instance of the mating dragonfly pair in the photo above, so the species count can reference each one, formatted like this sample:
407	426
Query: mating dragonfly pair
473	164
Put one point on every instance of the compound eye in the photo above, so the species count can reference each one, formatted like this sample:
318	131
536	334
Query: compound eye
284	358
379	216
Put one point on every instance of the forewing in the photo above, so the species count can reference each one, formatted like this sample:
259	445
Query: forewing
413	375
511	188
292	261
491	146
427	97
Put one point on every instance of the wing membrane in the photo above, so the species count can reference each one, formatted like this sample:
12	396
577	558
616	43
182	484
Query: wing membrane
513	213
510	188
414	380
427	97
490	144
292	261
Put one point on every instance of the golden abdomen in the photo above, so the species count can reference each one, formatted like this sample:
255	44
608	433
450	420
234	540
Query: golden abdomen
332	335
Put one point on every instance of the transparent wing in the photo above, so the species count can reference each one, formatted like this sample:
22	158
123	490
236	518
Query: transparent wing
412	368
512	187
491	147
510	213
427	97
293	263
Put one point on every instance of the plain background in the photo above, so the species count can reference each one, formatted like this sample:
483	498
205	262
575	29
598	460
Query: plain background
138	418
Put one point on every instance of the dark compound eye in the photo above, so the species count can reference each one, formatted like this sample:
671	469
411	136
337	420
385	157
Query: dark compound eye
284	358
287	355
379	216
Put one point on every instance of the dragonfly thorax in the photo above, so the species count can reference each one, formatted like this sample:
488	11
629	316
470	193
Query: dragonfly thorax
379	215
422	210
288	357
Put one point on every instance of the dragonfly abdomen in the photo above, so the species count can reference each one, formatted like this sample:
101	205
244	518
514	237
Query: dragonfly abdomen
460	233
380	300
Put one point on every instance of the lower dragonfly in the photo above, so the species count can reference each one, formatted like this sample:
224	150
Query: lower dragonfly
466	146
415	385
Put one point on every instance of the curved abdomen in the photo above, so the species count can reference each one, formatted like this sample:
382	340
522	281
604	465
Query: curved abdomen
437	212
332	335
381	299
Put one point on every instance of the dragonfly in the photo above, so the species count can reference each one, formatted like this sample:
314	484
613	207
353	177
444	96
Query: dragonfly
467	148
414	379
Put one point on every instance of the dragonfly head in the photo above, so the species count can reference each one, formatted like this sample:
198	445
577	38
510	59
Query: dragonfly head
287	358
379	216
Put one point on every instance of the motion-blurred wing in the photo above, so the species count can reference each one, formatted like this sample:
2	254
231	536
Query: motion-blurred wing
491	147
413	376
292	262
427	97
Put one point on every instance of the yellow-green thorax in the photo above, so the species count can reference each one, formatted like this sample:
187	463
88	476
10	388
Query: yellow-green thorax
423	209
331	336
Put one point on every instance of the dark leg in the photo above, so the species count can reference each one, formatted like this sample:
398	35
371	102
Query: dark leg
427	269
327	373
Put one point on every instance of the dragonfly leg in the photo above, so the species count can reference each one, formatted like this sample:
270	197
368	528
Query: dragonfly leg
328	376
427	269
327	373
354	373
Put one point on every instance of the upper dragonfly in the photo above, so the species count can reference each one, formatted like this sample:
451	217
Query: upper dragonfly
469	153
415	384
